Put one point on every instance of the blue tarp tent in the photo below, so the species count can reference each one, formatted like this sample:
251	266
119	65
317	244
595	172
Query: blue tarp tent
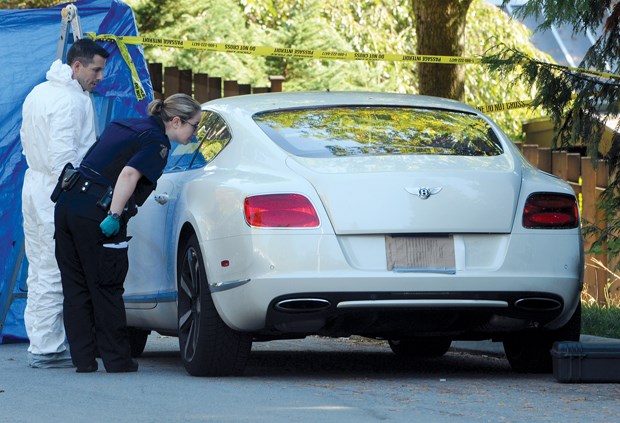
29	40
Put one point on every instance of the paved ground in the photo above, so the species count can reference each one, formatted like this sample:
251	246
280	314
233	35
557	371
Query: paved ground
302	381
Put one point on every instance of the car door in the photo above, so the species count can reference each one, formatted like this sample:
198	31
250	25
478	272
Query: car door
150	276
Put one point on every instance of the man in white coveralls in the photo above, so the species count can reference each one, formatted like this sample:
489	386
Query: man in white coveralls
58	128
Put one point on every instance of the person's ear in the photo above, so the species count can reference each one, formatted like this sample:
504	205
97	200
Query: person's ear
75	67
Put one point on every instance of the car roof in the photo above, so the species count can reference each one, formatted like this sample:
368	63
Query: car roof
255	103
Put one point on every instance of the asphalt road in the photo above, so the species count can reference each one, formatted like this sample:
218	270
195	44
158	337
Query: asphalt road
311	380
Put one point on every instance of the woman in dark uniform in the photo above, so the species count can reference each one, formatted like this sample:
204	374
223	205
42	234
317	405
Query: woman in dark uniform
91	227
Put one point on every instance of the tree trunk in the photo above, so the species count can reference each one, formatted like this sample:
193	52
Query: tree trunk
440	30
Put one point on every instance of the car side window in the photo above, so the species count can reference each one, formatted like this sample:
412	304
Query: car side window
212	136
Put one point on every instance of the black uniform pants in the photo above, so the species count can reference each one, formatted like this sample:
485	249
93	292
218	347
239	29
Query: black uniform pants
93	270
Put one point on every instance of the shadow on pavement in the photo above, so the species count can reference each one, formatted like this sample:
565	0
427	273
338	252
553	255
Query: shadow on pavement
336	358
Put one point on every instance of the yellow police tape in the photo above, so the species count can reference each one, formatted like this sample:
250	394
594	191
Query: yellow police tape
510	105
135	78
121	41
283	52
309	53
505	106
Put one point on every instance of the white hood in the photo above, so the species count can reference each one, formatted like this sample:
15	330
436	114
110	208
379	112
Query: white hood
60	73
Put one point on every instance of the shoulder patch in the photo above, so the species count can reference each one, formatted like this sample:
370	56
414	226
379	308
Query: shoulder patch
164	151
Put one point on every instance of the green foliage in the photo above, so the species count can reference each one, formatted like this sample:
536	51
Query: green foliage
487	28
377	27
606	237
600	320
306	29
581	14
28	4
212	20
361	26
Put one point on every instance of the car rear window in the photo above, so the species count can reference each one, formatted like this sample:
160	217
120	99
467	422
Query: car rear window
378	131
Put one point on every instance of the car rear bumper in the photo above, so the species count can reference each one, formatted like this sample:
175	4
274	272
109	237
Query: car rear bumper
534	278
392	314
291	305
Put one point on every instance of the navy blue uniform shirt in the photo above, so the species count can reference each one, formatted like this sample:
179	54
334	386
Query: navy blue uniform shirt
139	143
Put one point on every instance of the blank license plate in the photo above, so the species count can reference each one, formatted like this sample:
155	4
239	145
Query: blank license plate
420	254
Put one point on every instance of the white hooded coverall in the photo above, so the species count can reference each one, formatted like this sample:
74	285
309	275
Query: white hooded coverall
58	127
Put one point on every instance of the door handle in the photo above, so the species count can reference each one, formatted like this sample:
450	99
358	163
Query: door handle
161	198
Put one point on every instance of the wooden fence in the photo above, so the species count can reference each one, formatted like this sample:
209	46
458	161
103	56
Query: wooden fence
202	86
587	181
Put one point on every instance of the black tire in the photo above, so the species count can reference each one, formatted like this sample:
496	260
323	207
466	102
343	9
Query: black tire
531	353
420	347
137	340
208	346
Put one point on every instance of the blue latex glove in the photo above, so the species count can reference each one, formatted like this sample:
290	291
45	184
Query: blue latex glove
110	226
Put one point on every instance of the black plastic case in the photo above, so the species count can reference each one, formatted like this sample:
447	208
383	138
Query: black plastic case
591	362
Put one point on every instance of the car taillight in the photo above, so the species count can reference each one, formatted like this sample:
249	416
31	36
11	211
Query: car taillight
550	211
280	211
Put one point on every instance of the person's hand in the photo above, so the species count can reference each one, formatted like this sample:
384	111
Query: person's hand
110	226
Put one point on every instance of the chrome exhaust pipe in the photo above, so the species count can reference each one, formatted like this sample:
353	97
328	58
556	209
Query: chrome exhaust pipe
538	304
302	305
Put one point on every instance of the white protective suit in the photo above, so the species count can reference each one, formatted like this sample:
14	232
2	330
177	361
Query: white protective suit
58	127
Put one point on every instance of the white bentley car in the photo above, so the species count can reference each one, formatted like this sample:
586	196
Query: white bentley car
405	218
